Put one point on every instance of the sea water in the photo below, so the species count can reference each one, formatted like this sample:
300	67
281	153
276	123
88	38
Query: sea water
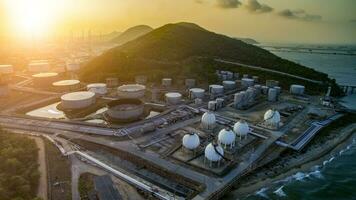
335	178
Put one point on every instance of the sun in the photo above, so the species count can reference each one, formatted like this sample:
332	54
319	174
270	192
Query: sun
33	17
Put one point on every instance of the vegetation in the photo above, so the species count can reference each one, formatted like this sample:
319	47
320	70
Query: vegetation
132	33
85	185
19	175
170	48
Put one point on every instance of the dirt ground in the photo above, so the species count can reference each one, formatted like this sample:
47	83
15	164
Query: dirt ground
43	183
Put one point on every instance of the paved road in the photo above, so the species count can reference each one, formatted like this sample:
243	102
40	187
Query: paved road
268	70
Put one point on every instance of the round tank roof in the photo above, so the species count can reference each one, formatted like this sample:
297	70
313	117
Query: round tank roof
216	86
96	85
131	88
44	75
173	95
66	82
77	96
197	90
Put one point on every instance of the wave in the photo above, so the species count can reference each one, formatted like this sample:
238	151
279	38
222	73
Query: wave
279	192
262	193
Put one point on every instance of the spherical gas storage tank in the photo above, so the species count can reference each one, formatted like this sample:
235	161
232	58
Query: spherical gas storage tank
241	128
77	100
272	118
66	85
208	121
44	79
190	141
125	110
132	91
226	137
196	93
98	88
173	98
213	152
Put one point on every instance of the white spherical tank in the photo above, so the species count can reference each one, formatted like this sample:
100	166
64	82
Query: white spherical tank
196	93
66	85
272	118
297	89
226	137
213	152
173	98
98	88
216	89
208	121
77	100
272	94
190	141
131	91
229	85
241	128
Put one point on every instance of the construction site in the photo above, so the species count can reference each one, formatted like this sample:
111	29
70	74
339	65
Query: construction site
166	140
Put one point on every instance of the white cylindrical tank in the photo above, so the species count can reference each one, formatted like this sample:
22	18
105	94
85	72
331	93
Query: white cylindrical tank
245	76
77	100
227	137
6	69
112	82
198	101
173	98
271	83
142	80
279	90
220	102
255	78
213	152
238	98
208	121
297	89
212	105
98	88
196	93
229	75
216	89
189	83
229	85
258	90
44	79
272	94
250	93
272	118
241	128
131	91
166	82
38	67
191	141
66	85
247	82
236	75
244	101
264	90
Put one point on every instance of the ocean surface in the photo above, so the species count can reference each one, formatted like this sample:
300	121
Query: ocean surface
335	178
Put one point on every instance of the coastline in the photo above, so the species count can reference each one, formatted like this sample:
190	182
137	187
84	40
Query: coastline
317	155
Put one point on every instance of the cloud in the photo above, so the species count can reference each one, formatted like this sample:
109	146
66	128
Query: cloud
255	7
228	3
299	15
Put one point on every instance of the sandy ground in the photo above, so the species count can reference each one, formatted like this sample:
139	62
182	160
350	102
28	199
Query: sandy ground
43	183
311	160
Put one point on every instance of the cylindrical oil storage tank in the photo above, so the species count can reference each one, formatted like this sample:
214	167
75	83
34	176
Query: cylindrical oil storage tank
216	89
44	80
198	101
223	77
131	91
220	102
66	85
230	76
98	88
245	76
236	75
272	83
212	105
166	82
38	67
258	89
250	95
4	90
238	98
173	98
264	90
72	66
127	109
112	82
77	100
142	80
279	90
255	78
244	101
189	83
272	94
6	69
196	93
247	82
297	89
229	85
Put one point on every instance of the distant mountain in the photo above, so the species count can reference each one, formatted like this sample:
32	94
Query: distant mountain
175	46
248	40
131	34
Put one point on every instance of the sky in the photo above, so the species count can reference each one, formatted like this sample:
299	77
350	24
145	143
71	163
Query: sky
296	21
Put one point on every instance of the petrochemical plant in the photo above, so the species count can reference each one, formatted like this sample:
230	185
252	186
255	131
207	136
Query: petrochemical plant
191	141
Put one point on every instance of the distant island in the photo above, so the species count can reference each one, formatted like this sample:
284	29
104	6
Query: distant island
248	40
189	50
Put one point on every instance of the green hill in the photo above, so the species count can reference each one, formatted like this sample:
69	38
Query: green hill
131	34
177	46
